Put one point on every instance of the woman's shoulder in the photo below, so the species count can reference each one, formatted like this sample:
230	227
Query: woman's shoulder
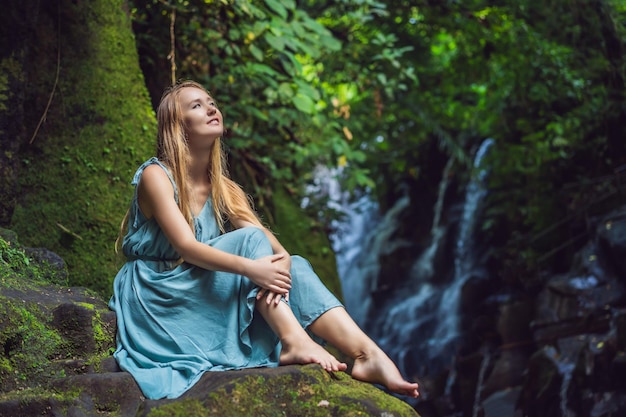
155	189
155	177
151	163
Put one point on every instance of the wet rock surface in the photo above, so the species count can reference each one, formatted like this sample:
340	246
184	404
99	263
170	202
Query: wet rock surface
559	353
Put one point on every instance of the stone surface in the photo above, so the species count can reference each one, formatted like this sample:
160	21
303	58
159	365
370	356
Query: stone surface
55	360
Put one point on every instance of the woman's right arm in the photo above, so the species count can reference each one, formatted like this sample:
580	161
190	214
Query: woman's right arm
156	199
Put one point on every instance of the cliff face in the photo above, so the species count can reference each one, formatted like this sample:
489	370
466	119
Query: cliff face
56	360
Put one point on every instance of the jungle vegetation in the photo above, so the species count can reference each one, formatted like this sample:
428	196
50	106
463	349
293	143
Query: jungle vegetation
388	91
384	92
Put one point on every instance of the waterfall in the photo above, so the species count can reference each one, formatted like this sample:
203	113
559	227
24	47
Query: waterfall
464	257
358	239
418	325
351	242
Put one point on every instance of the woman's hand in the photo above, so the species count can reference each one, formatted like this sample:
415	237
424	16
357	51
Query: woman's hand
285	261
270	274
272	297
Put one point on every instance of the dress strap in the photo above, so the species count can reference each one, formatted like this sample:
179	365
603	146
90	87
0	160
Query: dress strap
151	161
136	213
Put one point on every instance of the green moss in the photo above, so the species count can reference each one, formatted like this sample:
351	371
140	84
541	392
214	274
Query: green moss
103	336
30	394
17	270
310	394
88	306
75	176
29	345
182	408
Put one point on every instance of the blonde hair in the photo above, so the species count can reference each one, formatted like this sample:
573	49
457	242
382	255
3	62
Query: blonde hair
229	199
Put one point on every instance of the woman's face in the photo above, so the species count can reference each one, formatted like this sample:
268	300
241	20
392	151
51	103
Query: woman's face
203	120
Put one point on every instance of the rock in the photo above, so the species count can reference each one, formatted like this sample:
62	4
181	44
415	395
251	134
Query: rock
618	326
78	325
540	396
611	234
501	403
508	370
54	268
293	390
55	360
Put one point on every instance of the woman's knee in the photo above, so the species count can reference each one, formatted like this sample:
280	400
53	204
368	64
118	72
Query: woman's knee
257	242
250	242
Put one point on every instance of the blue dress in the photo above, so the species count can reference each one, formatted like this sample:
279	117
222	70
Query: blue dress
175	322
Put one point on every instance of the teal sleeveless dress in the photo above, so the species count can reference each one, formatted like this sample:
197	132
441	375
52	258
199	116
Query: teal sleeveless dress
175	322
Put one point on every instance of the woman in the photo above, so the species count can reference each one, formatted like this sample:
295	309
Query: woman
206	287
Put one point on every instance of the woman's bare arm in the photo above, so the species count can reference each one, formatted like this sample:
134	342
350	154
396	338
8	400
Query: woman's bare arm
156	199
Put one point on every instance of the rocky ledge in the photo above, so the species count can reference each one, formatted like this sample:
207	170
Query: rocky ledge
55	360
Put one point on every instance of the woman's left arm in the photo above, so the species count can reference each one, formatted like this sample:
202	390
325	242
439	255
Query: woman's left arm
277	248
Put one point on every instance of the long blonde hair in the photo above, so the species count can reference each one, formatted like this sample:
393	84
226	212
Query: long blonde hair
229	199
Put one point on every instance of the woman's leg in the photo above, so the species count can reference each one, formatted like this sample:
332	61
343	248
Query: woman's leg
297	345
371	364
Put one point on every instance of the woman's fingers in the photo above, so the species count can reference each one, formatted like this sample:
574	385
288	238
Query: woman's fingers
272	296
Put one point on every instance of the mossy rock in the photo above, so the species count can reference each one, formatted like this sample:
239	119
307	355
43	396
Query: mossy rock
294	390
73	187
47	330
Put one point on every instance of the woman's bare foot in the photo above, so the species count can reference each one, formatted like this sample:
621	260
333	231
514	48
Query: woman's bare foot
377	368
298	350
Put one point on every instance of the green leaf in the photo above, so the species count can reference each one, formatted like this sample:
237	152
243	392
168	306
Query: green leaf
289	4
285	91
307	89
275	42
304	103
256	52
277	8
298	29
258	114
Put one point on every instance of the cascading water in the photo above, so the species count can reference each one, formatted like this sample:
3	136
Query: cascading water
464	257
351	241
418	324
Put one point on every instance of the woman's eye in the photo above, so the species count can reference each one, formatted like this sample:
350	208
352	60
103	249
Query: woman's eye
195	106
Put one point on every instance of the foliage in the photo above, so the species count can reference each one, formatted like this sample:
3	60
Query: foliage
546	82
385	91
267	62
